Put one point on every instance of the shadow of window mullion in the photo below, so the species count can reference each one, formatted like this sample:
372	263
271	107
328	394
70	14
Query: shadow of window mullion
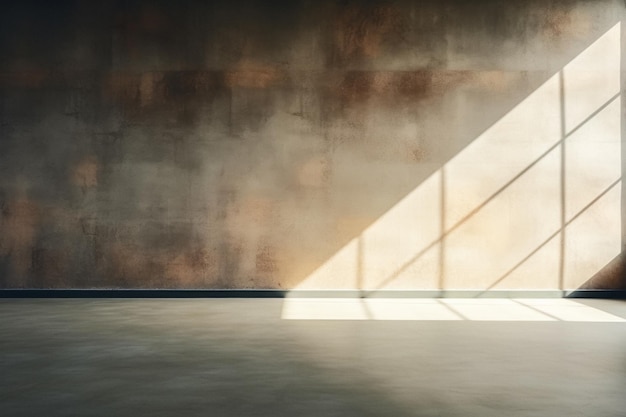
452	310
537	310
442	230
561	274
552	236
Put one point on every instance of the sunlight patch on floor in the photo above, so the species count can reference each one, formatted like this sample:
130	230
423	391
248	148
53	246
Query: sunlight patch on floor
445	309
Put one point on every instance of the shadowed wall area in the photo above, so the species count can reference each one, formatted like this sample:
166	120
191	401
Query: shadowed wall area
311	144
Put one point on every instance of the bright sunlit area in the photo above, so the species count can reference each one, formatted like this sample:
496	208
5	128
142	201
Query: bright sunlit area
533	202
444	309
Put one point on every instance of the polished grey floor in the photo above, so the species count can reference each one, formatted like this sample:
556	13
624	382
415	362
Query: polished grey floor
240	357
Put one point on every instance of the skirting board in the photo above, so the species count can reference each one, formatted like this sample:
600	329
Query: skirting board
271	293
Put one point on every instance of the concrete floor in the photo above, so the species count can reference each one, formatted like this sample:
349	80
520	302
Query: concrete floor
239	357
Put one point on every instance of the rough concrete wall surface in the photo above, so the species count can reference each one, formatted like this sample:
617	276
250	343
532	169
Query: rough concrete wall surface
310	144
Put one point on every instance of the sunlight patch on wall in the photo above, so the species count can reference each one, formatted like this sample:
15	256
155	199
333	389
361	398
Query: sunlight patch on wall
534	202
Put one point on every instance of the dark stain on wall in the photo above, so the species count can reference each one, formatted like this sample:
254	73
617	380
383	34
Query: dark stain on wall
391	88
361	30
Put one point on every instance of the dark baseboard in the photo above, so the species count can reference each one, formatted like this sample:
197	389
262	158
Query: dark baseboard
139	293
272	293
608	294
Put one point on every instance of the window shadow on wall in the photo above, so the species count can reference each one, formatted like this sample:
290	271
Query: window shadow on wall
533	202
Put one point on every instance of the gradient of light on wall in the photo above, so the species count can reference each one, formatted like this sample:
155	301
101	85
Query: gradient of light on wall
532	203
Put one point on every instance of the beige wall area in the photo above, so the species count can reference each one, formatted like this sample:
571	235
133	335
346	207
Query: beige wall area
312	145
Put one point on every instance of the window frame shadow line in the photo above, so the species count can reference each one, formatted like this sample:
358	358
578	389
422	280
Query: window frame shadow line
499	191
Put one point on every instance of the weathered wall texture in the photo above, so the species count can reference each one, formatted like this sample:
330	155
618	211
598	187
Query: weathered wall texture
309	144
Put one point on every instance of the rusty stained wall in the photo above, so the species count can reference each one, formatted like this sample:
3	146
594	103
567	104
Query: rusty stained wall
241	144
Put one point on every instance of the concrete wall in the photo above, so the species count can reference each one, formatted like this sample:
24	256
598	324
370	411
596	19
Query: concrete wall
310	144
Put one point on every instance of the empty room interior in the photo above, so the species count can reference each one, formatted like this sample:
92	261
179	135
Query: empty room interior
312	208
